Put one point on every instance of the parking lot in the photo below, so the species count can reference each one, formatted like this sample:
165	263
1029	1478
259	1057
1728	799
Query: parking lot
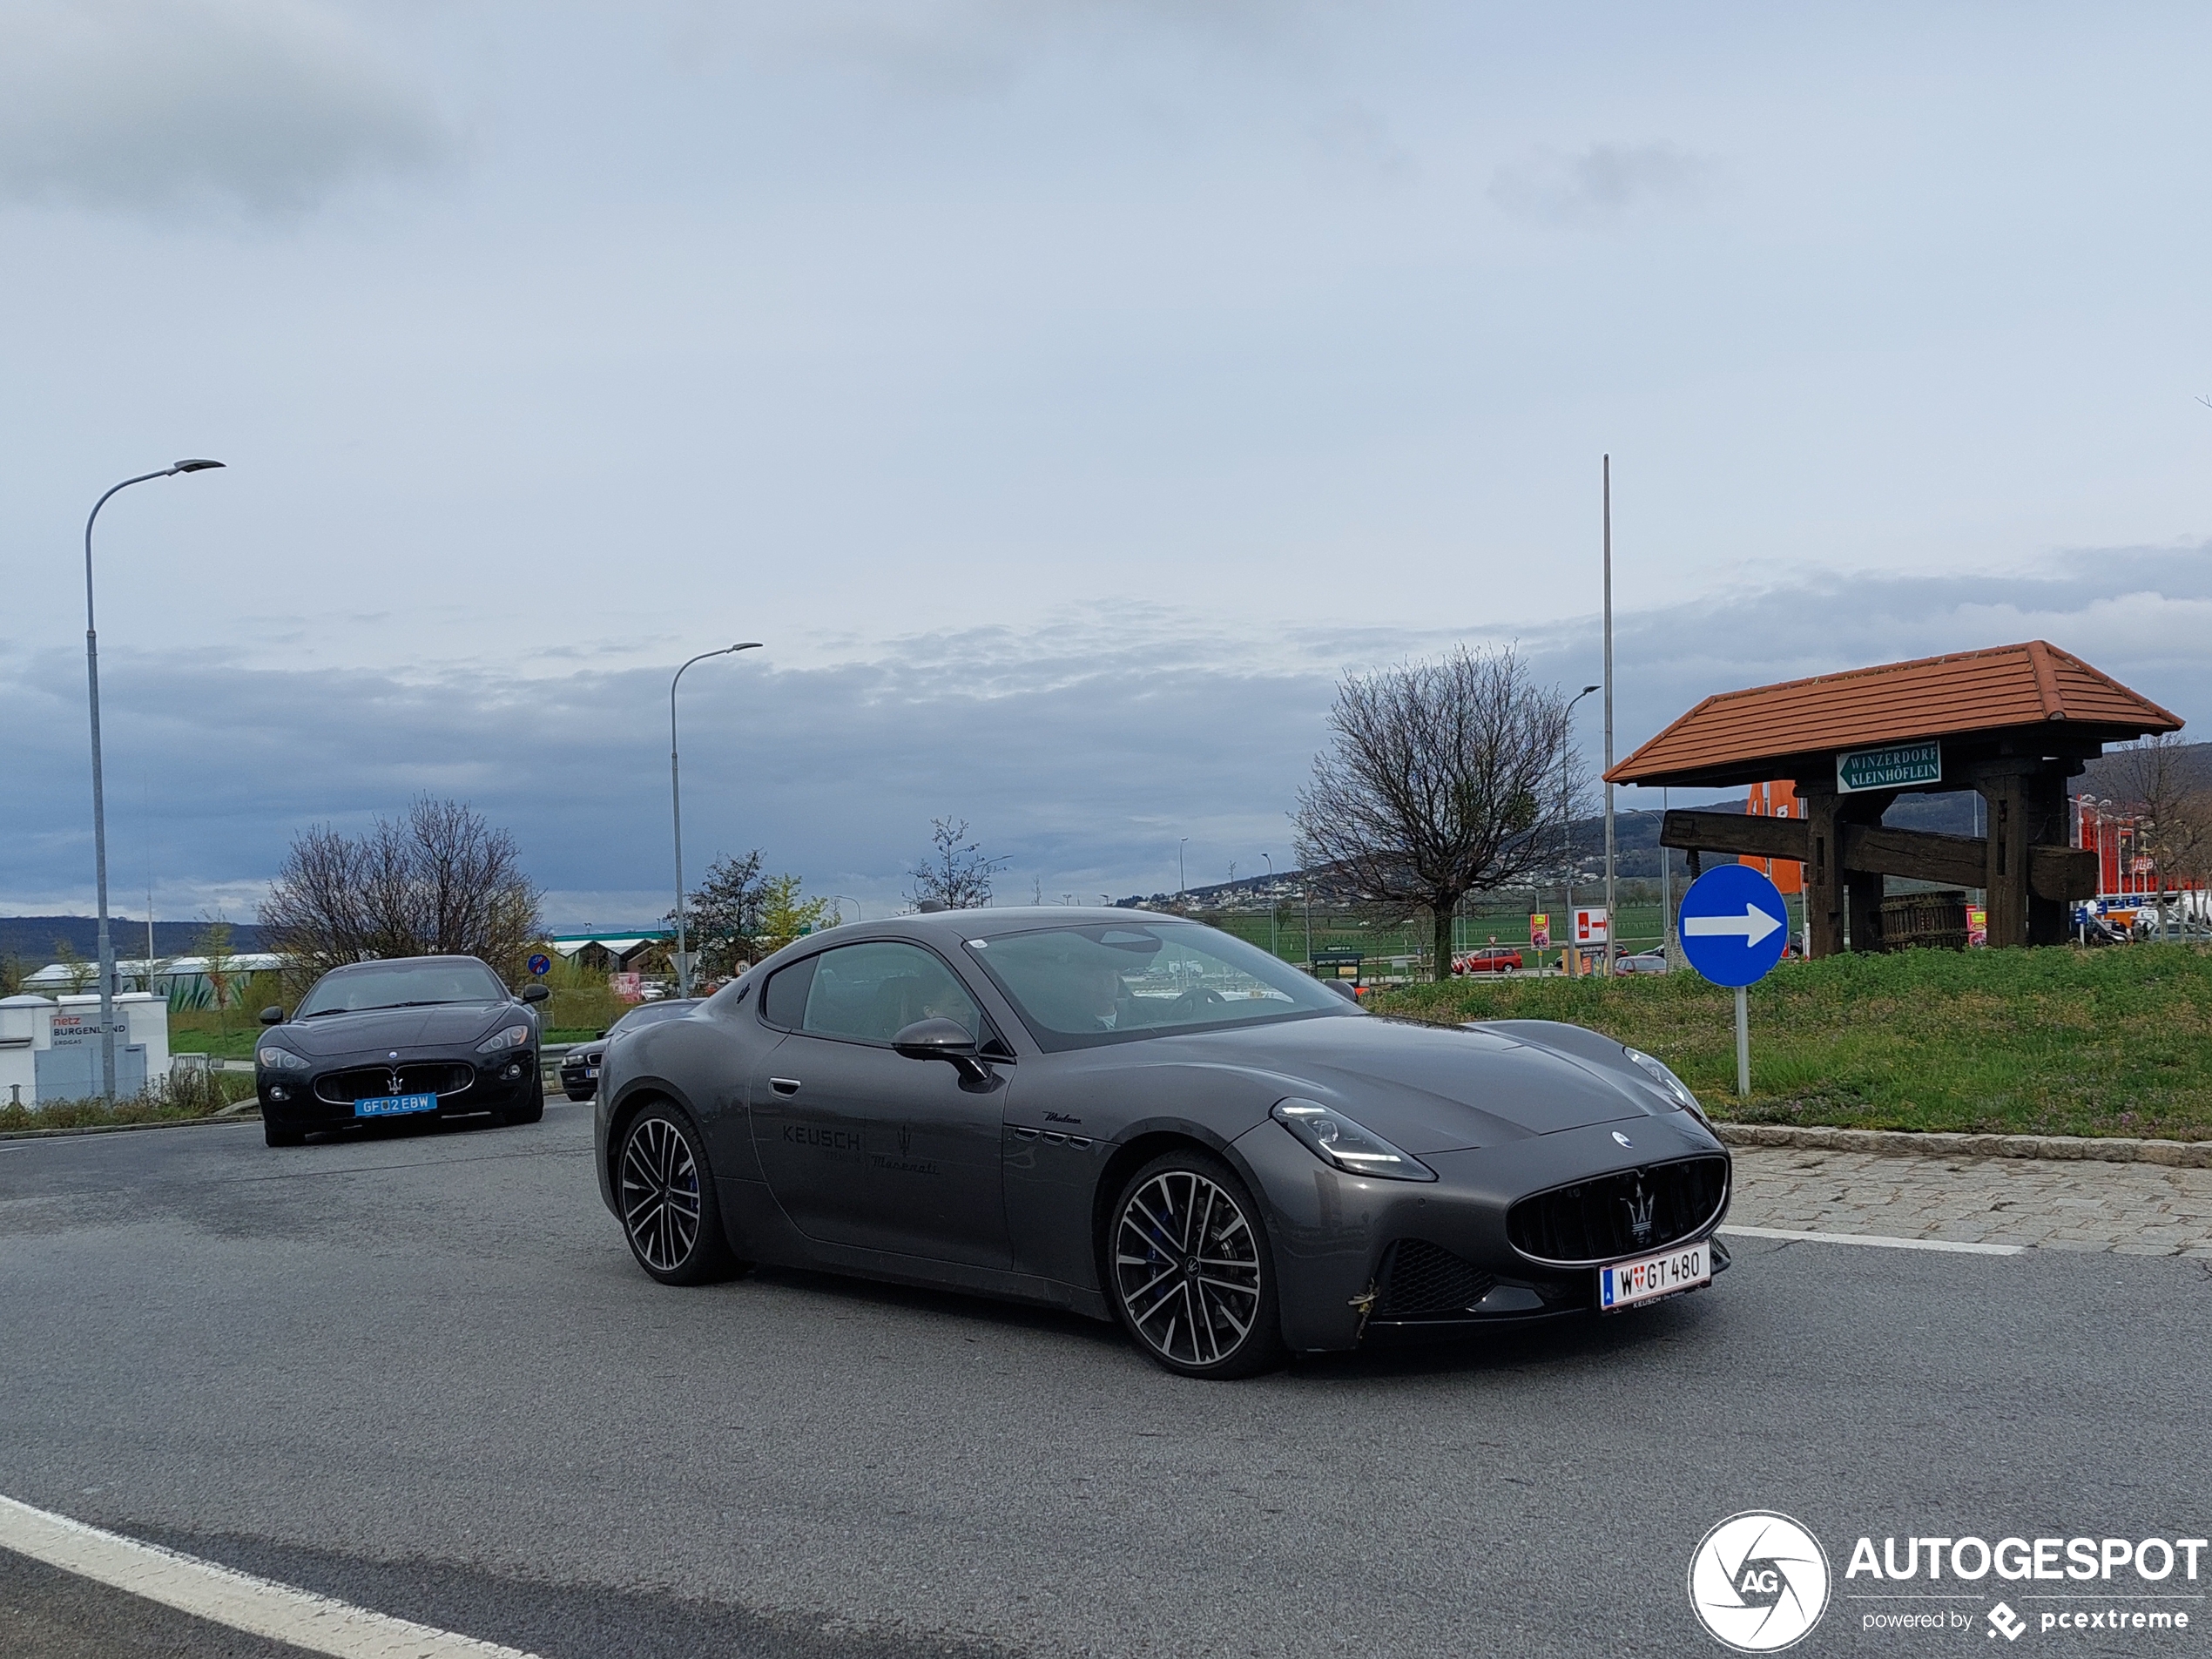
419	1373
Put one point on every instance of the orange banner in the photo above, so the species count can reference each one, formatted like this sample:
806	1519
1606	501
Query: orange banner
1777	800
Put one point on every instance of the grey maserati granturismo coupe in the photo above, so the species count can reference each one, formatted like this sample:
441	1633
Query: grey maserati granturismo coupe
1146	1120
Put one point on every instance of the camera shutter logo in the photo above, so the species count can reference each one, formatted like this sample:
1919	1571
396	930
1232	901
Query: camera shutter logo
1758	1582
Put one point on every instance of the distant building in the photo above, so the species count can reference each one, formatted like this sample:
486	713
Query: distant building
182	981
609	953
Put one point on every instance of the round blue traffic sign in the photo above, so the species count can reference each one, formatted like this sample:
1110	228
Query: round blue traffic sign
540	965
1734	925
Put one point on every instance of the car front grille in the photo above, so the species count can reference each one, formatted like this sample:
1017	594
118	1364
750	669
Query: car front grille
438	1077
1420	1278
1612	1216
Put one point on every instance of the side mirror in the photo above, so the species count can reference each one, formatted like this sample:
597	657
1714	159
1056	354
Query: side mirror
272	1017
942	1039
534	994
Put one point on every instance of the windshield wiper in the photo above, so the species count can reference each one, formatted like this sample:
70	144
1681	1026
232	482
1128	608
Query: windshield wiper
379	1007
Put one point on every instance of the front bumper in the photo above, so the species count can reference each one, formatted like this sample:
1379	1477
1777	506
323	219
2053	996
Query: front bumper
1332	1233
466	1084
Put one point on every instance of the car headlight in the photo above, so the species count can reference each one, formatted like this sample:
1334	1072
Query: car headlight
280	1059
513	1037
1335	1139
1669	1085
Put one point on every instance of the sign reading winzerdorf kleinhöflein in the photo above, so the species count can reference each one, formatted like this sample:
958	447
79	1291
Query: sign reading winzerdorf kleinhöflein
1898	765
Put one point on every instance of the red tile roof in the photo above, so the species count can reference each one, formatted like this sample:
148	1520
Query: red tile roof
2004	687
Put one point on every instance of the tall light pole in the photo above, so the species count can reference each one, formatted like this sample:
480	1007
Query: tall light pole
1273	948
1611	921
1567	828
100	786
676	804
1181	885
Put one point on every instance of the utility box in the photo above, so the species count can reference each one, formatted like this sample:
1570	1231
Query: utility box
69	1067
26	1030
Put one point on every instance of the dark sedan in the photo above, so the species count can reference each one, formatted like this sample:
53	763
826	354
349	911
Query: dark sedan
1146	1120
415	1037
580	1066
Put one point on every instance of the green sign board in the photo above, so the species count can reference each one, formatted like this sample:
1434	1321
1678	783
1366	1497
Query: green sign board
1900	765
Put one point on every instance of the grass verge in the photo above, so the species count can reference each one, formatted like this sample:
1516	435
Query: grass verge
180	1099
2052	1042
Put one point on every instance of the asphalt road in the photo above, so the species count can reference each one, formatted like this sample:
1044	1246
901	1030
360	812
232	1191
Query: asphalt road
420	1373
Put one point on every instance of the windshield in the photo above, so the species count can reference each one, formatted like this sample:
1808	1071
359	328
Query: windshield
1105	982
402	984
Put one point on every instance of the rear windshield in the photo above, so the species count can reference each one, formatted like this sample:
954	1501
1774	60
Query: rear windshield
1113	982
412	982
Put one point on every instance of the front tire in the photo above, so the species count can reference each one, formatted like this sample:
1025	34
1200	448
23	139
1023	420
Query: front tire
1191	1272
276	1134
535	1112
665	1193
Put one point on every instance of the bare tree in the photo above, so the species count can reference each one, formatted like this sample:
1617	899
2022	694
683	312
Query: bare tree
956	874
724	914
439	881
1445	779
2162	781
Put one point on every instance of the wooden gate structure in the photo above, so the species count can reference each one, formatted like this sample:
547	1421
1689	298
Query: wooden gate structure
2013	723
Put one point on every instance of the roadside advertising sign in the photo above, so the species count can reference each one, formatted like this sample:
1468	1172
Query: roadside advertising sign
630	988
1977	925
1891	767
1591	925
1540	930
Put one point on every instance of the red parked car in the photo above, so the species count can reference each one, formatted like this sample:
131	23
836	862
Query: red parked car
1496	959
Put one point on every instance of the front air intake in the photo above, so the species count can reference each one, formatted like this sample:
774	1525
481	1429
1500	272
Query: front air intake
1418	1279
1613	1216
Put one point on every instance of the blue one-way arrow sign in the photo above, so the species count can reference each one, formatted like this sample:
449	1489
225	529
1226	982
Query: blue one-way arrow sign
1734	925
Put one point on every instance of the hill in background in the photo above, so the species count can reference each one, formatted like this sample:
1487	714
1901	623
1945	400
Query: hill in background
31	938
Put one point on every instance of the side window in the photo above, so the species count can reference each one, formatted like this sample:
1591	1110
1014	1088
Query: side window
871	993
783	1003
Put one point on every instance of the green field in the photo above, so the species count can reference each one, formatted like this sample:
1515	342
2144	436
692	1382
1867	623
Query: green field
2053	1041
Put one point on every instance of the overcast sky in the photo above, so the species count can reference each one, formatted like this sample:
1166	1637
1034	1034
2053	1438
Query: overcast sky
1067	393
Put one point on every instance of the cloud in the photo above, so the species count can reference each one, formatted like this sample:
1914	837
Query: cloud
263	105
1084	749
1599	185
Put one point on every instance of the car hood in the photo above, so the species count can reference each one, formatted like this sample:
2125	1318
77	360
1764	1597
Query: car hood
1433	1088
448	1022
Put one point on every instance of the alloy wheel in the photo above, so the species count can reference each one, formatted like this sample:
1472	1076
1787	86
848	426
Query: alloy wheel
1188	1266
660	1194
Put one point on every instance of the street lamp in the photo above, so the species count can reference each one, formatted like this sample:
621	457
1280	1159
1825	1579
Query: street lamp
1273	948
675	803
1181	885
99	788
1566	829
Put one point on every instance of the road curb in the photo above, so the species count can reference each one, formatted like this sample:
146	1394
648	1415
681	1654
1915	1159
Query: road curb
120	1128
2190	1155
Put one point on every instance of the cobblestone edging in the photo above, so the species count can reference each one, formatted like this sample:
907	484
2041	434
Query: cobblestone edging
2190	1155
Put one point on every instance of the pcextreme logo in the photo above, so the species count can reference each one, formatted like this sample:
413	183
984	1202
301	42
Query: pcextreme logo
1758	1582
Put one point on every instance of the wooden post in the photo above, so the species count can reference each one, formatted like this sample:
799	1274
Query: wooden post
1824	868
2050	921
2006	889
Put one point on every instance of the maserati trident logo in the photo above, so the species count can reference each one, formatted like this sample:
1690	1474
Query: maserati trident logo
1640	1213
906	1139
1758	1582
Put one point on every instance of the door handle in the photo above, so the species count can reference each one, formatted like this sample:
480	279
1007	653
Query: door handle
784	1085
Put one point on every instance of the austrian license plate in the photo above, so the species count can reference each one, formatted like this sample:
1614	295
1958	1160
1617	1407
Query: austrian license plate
1623	1284
395	1105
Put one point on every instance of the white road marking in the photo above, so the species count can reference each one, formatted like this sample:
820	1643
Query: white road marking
1954	1246
240	1601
